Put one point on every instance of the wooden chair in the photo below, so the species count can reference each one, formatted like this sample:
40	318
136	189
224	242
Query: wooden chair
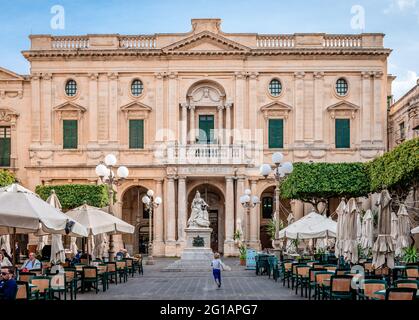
58	285
406	283
43	284
302	279
84	261
330	267
22	292
102	270
89	278
320	279
400	294
312	281
121	267
411	273
294	272
26	276
71	281
112	272
368	268
340	287
38	272
286	272
369	287
130	266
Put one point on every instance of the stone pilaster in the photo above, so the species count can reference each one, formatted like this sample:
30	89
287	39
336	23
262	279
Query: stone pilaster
192	134
240	211
220	123
170	218
254	221
366	108
113	106
36	108
252	115
182	210
46	110
158	223
172	107
159	107
229	248
318	106
380	111
228	107
239	110
299	106
184	124
92	113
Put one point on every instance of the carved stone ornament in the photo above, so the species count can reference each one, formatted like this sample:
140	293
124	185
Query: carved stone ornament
8	115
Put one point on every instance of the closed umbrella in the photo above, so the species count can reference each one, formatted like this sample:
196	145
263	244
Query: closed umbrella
367	230
340	210
350	248
383	249
5	243
358	227
73	245
403	235
394	227
57	248
42	241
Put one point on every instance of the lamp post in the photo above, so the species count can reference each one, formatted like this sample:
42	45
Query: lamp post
105	172
248	202
150	202
280	170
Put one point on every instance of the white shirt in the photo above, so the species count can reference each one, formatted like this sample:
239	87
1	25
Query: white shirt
216	264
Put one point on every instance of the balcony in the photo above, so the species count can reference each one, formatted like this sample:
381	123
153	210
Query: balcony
206	154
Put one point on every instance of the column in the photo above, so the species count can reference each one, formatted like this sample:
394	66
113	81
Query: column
380	108
92	110
46	108
183	139
239	109
229	217
173	109
254	225
158	222
220	124
182	212
159	107
318	106
366	107
228	123
192	124
170	222
309	108
253	105
299	106
113	106
36	108
240	211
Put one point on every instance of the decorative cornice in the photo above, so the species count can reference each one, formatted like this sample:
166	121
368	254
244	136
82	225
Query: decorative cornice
253	75
93	76
318	75
112	75
160	75
172	75
378	74
240	75
299	75
46	76
366	74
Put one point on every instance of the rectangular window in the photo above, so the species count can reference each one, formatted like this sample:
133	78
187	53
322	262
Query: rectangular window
206	129
5	146
70	134
342	133
267	207
276	133
402	131
136	134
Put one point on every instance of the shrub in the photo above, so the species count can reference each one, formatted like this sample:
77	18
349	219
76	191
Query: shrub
6	178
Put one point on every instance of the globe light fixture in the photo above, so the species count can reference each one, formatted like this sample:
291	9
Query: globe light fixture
265	170
248	202
150	204
122	172
277	158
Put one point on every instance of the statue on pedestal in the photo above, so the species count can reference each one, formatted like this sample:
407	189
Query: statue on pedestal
199	215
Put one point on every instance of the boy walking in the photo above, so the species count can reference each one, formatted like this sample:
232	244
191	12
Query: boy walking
217	265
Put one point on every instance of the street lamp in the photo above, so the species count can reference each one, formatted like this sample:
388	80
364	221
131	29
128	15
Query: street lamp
150	202
280	171
248	202
106	175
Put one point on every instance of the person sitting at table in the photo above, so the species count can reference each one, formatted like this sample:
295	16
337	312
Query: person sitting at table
4	261
8	285
32	263
120	254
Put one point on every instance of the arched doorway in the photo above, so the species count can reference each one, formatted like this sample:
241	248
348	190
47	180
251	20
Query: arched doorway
134	213
216	203
143	239
267	209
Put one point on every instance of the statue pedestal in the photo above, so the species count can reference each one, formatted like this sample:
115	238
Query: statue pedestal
197	254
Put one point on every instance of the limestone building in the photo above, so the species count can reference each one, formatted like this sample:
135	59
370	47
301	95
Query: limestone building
191	111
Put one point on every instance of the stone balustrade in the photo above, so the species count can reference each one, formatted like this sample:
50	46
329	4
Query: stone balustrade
137	42
343	41
70	42
275	41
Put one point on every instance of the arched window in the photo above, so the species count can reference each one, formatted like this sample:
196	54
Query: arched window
71	88
275	87
137	87
341	87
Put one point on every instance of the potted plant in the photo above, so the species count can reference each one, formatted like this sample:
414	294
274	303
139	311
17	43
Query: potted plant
242	250
410	255
237	236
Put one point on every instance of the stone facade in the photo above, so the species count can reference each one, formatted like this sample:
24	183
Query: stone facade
186	77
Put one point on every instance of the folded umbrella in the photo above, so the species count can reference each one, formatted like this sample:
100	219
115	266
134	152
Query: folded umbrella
403	234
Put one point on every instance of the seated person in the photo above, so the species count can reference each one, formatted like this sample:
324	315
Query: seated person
8	285
32	263
120	254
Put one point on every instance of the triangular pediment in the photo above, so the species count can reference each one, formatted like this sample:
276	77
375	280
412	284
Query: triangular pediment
69	106
135	106
9	75
343	105
276	106
206	41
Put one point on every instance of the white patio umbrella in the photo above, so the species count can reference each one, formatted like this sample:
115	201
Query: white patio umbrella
73	245
350	247
367	240
415	230
394	227
42	241
383	249
340	210
5	243
403	235
358	227
57	248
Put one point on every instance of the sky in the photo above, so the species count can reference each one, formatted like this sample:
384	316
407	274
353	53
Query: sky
398	19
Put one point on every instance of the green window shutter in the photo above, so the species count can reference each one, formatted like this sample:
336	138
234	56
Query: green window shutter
206	129
5	146
342	133
136	134
70	134
276	133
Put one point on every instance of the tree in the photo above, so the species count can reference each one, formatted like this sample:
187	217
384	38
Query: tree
397	171
317	183
6	178
74	195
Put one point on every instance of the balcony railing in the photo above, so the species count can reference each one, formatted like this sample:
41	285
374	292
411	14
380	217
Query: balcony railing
70	42
137	42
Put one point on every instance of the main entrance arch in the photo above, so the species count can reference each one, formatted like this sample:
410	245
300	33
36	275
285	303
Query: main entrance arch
214	197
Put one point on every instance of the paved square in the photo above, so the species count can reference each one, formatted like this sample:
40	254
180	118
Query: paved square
155	284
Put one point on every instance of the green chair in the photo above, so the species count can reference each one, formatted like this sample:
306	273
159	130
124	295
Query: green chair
369	287
400	294
130	266
71	281
121	268
411	273
312	281
340	288
407	283
302	279
286	271
112	272
294	275
89	279
273	267
43	286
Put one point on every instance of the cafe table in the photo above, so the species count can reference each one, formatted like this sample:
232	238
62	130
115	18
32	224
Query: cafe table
383	292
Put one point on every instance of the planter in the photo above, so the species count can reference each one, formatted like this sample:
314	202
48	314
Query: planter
242	262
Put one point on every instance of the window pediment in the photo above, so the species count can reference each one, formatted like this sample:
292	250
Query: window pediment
69	110
8	115
276	109
343	108
136	110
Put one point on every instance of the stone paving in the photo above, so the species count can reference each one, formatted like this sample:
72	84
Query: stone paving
155	284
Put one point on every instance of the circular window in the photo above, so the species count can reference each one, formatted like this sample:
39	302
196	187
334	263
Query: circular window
71	88
341	87
137	87
275	87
